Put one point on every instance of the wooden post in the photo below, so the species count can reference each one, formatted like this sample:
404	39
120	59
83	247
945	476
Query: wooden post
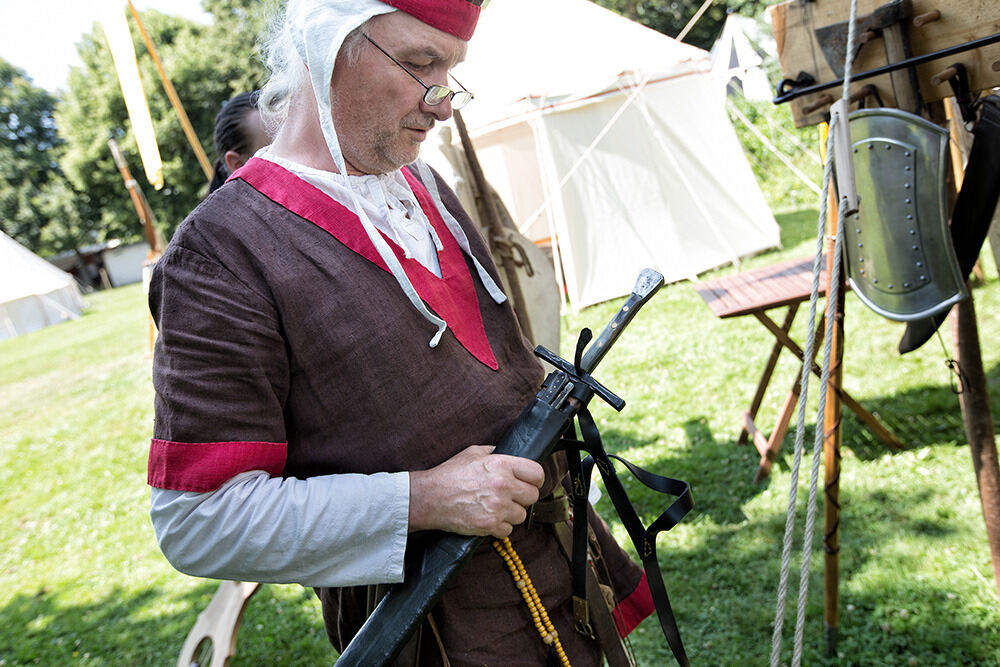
978	420
974	397
138	199
831	443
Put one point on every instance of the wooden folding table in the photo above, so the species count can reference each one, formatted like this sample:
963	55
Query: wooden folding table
786	284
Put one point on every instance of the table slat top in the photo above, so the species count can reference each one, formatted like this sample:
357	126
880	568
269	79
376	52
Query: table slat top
761	289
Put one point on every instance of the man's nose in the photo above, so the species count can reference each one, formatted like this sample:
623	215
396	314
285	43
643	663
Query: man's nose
441	111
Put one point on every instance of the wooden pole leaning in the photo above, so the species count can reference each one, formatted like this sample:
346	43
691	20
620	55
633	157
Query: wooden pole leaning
973	389
175	101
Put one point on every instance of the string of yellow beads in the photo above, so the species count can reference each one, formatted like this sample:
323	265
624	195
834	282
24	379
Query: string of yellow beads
539	616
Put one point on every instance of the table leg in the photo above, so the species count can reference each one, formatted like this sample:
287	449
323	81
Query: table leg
765	379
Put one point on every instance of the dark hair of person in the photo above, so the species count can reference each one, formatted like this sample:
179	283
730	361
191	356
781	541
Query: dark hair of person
231	133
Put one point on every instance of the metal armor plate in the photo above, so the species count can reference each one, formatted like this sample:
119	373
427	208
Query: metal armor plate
897	248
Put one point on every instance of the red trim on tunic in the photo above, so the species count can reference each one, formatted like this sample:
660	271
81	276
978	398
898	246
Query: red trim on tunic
452	296
634	608
205	466
455	17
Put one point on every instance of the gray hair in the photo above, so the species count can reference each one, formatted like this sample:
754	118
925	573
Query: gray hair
289	77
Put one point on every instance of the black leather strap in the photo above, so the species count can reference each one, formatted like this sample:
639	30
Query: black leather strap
644	539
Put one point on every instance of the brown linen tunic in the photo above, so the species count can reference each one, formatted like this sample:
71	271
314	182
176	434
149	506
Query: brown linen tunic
273	331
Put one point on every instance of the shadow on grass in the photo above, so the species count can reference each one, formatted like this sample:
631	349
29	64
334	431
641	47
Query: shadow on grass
128	628
919	417
724	587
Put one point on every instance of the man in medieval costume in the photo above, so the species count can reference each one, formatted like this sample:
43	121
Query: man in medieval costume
334	350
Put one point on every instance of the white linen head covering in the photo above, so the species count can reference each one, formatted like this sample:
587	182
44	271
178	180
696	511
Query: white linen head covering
318	29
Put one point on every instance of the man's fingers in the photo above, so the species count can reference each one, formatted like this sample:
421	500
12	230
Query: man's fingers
524	470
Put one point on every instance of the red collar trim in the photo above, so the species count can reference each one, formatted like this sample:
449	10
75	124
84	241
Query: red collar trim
452	297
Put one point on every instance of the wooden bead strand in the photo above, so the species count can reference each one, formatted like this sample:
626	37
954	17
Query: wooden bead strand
523	582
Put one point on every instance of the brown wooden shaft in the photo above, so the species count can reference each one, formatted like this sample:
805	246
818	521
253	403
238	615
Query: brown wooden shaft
978	421
974	398
831	446
927	17
175	101
488	210
138	199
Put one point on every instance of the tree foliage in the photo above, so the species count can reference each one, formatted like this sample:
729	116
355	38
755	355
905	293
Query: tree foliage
670	16
29	147
207	64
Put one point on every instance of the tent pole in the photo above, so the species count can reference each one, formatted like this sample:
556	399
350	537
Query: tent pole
694	19
206	166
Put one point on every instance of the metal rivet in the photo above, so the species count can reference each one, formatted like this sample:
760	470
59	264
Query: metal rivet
875	281
916	247
907	153
907	168
890	286
861	260
861	245
909	217
862	272
923	277
909	201
888	147
855	150
871	146
906	284
913	232
858	230
920	265
906	185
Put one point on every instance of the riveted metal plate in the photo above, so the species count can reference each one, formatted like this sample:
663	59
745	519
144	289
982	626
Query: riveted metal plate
897	248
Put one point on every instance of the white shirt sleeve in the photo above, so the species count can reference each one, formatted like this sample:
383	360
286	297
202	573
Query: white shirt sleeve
333	530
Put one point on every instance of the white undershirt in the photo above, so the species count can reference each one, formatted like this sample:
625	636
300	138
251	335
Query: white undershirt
388	200
333	530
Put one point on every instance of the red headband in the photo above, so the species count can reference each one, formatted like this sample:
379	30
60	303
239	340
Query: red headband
455	17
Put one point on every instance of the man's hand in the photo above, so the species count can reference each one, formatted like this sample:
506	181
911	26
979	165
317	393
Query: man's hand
474	493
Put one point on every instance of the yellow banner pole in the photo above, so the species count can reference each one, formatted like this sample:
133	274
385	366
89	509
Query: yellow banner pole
206	166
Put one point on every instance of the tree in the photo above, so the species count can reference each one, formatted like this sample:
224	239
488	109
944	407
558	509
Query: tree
670	16
207	64
29	147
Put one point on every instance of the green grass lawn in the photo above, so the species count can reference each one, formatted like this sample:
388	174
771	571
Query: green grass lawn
82	580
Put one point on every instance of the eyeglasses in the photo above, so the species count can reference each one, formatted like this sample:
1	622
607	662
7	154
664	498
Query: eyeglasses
433	95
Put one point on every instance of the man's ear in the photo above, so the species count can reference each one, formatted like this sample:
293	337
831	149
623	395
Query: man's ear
234	161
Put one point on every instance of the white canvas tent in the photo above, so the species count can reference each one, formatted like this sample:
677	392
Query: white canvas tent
33	293
609	139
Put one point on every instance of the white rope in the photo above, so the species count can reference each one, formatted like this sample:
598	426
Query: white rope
774	149
833	297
